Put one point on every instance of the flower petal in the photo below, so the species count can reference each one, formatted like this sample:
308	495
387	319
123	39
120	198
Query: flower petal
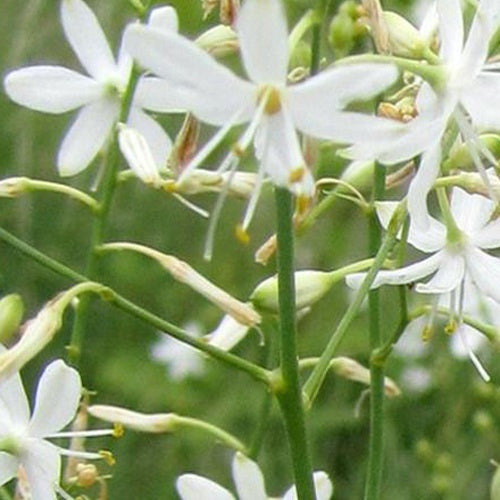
42	464
448	277
86	136
263	39
14	399
451	30
8	467
193	487
164	19
57	398
228	333
484	270
248	478
87	39
206	88
335	88
157	139
51	89
481	99
322	485
470	211
488	236
401	276
155	94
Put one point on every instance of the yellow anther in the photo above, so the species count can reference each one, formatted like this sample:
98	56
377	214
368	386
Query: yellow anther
302	204
237	150
450	327
297	174
117	430
107	456
426	333
170	186
241	234
272	98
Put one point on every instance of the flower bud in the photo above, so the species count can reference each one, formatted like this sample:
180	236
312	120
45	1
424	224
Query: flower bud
228	10
341	34
218	41
143	422
13	187
461	159
11	315
310	286
185	144
404	39
86	475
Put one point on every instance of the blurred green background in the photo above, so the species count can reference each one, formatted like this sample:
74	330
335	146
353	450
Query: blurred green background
439	439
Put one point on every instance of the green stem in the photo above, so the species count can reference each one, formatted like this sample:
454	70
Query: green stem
289	393
313	383
374	475
4	494
257	372
108	185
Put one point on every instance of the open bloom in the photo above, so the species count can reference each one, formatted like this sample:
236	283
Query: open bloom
24	440
273	110
467	92
453	256
55	89
249	484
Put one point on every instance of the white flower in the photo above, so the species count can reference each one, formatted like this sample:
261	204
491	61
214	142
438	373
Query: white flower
469	91
451	261
24	439
55	89
273	110
249	484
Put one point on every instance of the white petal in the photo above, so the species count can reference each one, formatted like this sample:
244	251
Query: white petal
401	276
13	396
51	89
263	38
248	479
42	464
334	88
484	270
206	88
448	277
482	100
156	94
193	487
322	485
87	39
86	136
473	341
421	185
470	211
57	398
488	236
157	139
451	30
164	19
8	467
228	333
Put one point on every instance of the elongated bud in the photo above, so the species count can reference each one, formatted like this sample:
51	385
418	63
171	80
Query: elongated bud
228	10
379	31
40	330
13	187
185	144
11	315
228	333
404	39
143	422
352	370
310	286
218	41
184	273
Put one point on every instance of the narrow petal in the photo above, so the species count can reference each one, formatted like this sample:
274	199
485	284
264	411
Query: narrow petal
8	467
421	185
57	398
470	211
193	487
42	464
164	19
451	30
405	275
51	89
263	39
86	136
87	39
322	485
206	88
248	479
484	270
13	396
448	277
156	94
157	139
488	236
481	99
228	333
334	88
473	341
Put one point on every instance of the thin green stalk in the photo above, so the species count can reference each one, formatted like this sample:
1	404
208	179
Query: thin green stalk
289	393
374	475
257	372
107	190
315	380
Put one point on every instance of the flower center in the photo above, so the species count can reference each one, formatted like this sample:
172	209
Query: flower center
272	99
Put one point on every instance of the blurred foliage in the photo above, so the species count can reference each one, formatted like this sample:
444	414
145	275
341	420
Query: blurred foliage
438	441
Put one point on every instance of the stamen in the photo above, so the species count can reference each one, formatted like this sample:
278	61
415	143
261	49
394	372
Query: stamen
241	234
92	433
475	360
296	174
252	204
192	206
